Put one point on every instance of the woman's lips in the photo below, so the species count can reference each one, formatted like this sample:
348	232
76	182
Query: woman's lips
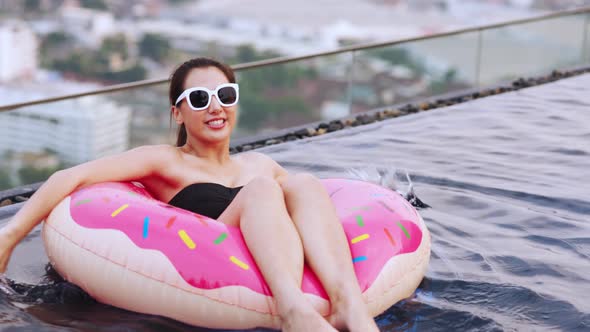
216	123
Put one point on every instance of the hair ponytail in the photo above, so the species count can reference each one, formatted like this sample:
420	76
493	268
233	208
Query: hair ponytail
181	137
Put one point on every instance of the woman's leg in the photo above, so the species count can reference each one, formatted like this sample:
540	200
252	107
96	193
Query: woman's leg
260	212
326	250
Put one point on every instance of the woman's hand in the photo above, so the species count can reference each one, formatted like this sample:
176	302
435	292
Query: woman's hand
7	244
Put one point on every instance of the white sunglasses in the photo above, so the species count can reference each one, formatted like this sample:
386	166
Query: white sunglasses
199	98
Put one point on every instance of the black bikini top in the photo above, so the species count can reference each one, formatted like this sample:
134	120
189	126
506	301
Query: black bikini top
207	198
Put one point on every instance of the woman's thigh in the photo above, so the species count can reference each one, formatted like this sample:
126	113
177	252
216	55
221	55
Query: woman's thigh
259	193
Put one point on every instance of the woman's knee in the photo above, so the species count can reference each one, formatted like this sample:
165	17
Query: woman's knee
300	182
263	187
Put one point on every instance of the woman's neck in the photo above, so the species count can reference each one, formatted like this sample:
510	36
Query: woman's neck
214	152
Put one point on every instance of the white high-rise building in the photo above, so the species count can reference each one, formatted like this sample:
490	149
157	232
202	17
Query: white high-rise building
88	25
18	51
77	130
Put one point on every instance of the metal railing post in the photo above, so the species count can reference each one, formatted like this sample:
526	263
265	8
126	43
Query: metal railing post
478	59
351	80
585	39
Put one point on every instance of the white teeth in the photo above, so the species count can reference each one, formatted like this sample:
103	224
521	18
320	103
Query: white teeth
216	122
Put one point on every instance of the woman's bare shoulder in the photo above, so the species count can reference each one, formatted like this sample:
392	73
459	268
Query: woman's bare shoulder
253	156
262	160
158	148
161	152
157	157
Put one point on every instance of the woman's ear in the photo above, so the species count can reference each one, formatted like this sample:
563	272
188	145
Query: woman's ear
177	115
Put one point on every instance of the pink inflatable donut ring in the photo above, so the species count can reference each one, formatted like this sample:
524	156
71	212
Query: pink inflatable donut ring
129	250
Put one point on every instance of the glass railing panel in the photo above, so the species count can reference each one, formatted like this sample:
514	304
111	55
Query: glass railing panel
531	49
292	94
414	70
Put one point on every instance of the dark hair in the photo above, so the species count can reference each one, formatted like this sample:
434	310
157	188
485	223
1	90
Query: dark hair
177	84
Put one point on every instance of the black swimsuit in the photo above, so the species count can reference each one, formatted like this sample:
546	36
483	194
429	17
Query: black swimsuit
207	199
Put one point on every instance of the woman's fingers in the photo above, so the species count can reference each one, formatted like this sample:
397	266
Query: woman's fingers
6	247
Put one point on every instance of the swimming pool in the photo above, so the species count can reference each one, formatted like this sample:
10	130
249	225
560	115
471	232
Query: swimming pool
506	178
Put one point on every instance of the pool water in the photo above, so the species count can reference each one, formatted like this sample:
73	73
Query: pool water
507	181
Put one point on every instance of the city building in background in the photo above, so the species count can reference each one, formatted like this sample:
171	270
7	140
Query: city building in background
18	51
74	130
89	26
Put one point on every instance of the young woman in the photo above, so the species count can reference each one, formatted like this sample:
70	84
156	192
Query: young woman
248	190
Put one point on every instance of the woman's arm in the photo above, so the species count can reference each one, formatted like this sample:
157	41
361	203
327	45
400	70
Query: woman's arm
131	165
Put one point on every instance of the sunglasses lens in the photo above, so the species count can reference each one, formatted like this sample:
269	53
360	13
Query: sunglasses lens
227	95
199	98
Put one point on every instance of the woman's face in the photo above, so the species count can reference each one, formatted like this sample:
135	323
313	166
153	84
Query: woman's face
215	123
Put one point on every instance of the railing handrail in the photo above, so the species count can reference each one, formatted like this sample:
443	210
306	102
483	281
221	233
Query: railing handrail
287	59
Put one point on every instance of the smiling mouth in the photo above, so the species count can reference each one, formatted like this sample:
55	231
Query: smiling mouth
217	123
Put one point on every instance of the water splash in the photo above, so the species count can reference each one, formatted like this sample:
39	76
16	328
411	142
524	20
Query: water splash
53	290
389	178
5	286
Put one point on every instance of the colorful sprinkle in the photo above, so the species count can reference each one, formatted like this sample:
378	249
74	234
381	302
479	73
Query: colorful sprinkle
386	206
117	211
132	193
239	263
146	225
359	221
389	236
84	201
359	238
403	229
361	208
378	194
221	238
359	259
186	239
170	221
106	199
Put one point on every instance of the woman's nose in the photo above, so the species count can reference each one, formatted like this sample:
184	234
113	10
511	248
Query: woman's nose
214	106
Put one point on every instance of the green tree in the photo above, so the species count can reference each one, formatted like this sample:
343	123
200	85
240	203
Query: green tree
441	85
135	73
94	4
116	44
54	45
154	46
31	174
400	56
56	38
32	5
248	53
5	180
96	65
